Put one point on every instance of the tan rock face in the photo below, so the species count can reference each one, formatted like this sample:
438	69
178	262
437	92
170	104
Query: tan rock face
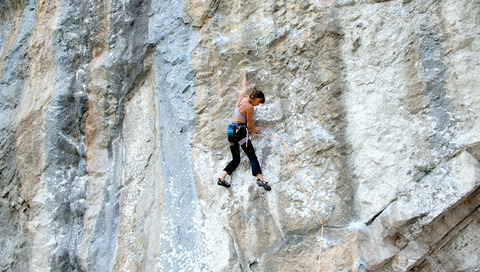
112	123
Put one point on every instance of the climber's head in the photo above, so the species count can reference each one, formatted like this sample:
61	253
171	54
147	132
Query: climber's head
256	97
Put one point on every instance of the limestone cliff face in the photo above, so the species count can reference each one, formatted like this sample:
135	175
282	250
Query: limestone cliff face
112	119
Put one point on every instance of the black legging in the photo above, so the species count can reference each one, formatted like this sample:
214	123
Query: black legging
248	149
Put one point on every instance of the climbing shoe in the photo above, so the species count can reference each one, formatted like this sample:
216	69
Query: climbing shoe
223	183
264	184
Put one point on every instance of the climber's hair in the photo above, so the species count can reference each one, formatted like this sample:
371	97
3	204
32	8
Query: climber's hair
254	93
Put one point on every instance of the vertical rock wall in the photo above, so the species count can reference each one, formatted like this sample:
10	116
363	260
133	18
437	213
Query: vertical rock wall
112	116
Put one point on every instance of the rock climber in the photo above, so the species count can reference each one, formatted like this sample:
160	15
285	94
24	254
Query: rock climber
242	126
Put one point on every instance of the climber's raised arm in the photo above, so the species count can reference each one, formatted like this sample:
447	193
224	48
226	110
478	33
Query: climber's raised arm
243	93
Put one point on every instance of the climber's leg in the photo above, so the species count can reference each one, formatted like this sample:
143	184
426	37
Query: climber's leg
256	170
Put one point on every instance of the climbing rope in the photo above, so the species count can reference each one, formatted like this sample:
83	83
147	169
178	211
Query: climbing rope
319	219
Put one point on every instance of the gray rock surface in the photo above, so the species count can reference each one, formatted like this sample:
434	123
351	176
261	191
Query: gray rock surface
112	119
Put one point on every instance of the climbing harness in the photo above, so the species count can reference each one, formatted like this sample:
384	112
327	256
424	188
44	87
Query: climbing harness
319	219
232	131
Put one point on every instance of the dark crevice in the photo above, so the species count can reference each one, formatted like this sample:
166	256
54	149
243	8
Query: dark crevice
369	222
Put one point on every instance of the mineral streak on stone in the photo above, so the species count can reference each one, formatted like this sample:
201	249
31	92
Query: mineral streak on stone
112	120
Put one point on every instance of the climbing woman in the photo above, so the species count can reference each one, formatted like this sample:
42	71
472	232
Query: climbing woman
240	129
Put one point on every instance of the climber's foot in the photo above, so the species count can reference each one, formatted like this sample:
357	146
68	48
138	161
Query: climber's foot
223	183
264	184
